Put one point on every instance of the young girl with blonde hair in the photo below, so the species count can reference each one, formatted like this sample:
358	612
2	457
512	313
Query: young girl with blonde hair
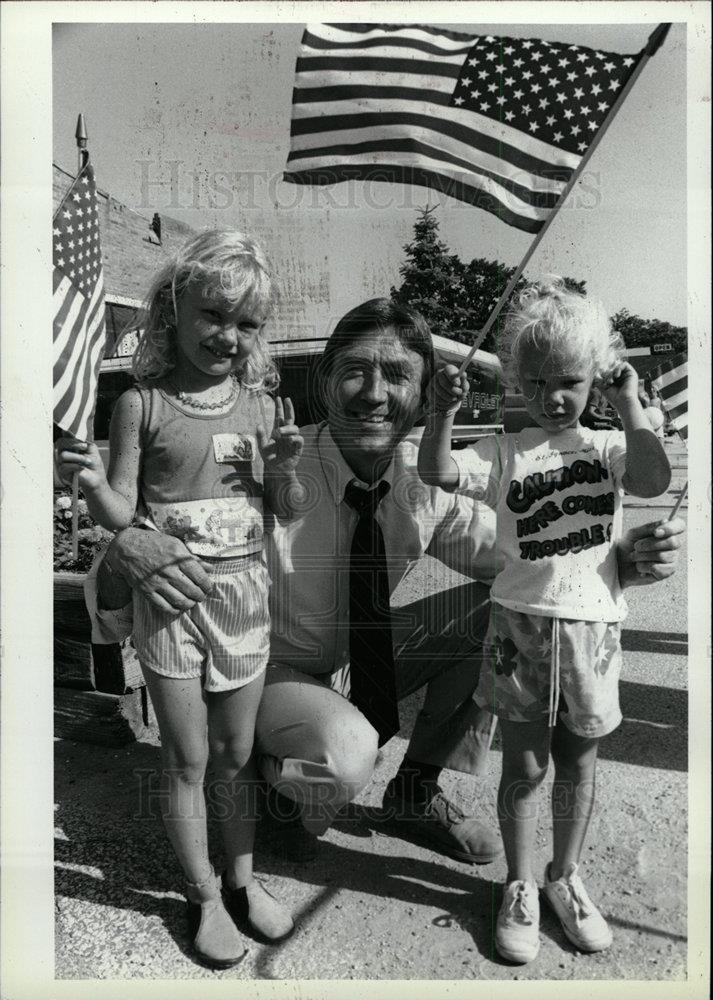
552	653
194	450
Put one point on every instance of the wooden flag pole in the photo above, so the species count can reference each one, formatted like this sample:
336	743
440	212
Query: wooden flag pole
678	503
654	43
80	135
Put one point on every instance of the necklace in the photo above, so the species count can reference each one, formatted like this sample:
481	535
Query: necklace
198	404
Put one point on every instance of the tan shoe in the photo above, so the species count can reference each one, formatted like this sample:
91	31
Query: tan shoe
257	912
216	941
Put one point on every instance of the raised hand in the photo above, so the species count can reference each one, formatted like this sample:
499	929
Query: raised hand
281	451
82	457
622	386
447	389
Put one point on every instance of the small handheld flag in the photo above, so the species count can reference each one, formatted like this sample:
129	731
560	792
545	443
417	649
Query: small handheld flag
79	316
79	324
671	382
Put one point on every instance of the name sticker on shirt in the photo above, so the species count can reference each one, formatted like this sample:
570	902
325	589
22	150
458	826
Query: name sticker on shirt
230	448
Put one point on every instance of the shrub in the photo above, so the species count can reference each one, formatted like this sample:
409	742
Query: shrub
91	537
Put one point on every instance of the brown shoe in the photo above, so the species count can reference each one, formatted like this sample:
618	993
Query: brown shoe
442	825
216	941
257	912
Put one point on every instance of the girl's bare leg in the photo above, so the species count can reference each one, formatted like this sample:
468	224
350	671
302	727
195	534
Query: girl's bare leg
575	760
525	760
182	718
231	727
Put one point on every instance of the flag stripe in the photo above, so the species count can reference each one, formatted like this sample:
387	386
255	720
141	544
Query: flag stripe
325	94
78	300
487	144
337	152
671	381
379	64
436	104
309	146
544	156
90	312
83	403
68	304
359	31
74	321
392	173
473	181
390	47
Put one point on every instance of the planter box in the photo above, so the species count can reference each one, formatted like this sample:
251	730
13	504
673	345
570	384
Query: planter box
99	691
78	663
107	719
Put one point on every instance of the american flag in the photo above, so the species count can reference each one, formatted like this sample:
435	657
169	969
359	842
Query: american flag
671	382
499	122
79	325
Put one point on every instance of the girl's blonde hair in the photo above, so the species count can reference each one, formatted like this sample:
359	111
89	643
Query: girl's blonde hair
233	270
548	316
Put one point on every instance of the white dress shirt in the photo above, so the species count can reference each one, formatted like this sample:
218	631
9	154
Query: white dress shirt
308	556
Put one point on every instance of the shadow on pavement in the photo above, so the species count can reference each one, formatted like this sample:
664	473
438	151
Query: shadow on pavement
110	852
654	732
639	640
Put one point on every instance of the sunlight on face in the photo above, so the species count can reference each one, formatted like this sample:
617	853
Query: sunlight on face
555	387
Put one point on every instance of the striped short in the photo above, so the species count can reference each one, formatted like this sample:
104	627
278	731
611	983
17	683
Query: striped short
537	668
225	639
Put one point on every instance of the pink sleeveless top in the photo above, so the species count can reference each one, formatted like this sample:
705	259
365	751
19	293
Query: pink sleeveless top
201	474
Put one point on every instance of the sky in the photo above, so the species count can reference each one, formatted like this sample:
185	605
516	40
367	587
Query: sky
193	121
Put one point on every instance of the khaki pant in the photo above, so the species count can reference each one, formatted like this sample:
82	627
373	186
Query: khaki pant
315	747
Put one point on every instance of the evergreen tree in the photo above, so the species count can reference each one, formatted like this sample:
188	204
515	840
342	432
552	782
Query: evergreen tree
433	279
455	298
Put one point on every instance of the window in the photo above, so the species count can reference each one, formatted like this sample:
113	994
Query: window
119	318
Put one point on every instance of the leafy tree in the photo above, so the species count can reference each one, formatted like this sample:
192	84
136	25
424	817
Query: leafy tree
454	298
638	332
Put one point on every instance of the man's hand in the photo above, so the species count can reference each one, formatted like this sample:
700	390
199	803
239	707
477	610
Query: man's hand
649	553
158	566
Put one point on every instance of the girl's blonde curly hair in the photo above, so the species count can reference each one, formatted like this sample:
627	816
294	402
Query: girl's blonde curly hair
549	317
234	272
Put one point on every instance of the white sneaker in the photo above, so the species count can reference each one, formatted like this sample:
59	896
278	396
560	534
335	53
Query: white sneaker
517	936
581	921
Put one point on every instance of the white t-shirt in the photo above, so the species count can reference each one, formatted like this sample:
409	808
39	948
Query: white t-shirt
558	500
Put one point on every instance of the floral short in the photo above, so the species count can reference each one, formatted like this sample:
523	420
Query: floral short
536	666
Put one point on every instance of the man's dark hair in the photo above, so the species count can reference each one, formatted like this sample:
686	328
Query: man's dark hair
387	317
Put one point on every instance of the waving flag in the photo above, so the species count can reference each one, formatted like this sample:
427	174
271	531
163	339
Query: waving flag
671	382
502	123
79	326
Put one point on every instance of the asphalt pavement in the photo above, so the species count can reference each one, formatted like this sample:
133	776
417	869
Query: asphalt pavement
375	906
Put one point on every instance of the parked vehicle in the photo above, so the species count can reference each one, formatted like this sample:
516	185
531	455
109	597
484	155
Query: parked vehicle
481	412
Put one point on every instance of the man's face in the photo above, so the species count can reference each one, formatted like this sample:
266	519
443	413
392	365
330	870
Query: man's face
373	396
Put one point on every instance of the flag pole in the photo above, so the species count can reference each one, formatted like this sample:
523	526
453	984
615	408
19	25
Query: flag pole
678	503
80	134
654	43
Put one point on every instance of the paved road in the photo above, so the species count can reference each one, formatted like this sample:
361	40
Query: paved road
378	907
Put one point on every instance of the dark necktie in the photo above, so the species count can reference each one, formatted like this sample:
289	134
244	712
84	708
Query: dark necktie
371	653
